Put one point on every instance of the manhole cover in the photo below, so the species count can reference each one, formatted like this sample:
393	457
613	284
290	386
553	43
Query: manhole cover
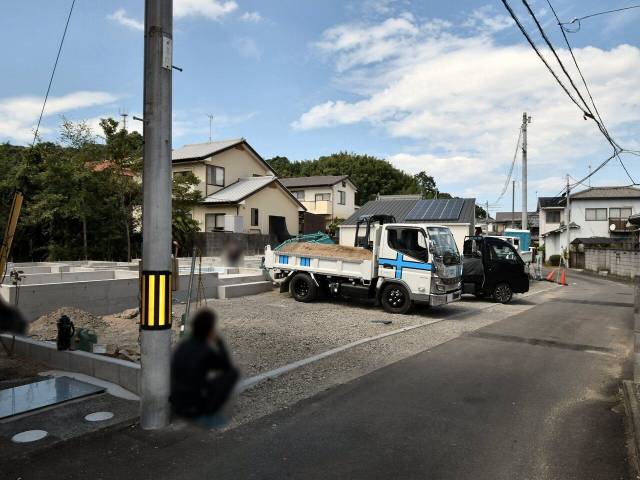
99	416
29	436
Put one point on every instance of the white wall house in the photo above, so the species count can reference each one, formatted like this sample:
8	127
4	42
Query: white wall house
332	196
595	212
240	191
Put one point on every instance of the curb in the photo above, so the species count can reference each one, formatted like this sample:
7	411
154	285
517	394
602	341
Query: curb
632	409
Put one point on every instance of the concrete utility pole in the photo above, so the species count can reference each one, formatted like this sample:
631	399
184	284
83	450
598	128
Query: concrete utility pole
525	119
210	125
513	203
155	275
568	220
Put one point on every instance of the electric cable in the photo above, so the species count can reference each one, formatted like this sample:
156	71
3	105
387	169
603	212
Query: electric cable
513	162
53	72
579	19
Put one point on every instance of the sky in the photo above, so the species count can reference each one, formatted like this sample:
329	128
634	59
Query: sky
428	85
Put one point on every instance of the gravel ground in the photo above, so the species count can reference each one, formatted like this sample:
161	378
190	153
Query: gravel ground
270	330
465	316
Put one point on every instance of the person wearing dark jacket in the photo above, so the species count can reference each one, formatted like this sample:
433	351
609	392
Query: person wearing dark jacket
202	375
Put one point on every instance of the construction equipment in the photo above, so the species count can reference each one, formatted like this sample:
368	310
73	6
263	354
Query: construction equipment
9	232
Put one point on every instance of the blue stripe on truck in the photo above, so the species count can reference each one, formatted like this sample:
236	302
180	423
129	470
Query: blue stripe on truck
283	259
305	262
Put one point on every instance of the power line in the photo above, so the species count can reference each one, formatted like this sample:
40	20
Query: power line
53	72
579	19
513	162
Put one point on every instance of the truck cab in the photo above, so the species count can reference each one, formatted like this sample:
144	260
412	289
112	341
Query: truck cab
492	266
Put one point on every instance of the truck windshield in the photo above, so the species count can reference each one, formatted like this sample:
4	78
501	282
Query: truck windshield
443	244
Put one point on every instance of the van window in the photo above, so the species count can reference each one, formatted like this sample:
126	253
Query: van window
408	241
503	251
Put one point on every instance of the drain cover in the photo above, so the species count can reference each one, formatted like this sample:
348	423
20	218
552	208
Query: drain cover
29	436
99	416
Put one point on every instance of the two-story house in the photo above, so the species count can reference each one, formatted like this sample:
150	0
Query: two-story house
332	196
240	191
505	220
596	212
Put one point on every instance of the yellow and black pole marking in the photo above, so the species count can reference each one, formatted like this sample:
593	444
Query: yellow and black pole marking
155	300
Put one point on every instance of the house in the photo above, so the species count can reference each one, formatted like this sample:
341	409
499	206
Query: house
456	213
240	191
551	214
332	196
506	220
595	212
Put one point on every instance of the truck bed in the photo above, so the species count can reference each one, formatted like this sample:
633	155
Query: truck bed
327	251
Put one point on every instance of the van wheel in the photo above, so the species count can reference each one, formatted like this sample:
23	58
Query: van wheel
303	288
502	293
395	298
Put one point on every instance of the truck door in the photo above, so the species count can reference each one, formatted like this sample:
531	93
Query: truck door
403	255
503	264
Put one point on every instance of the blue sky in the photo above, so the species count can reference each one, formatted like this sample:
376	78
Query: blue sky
429	85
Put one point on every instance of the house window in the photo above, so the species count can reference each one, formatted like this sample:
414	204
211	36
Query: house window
553	216
595	214
624	212
323	197
344	184
215	176
342	197
181	174
214	222
254	217
299	194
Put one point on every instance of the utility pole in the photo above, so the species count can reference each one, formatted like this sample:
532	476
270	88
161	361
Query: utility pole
210	124
124	116
568	220
513	203
155	273
525	119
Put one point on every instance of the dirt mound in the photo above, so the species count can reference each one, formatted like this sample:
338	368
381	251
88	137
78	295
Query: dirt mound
45	328
324	250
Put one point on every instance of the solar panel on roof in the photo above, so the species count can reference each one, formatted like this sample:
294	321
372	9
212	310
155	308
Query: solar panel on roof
436	210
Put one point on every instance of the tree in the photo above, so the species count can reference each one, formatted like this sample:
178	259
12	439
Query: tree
185	196
427	185
480	212
371	175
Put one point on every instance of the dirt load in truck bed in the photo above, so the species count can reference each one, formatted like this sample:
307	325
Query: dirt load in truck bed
330	251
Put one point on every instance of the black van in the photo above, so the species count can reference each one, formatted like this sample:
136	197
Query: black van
491	266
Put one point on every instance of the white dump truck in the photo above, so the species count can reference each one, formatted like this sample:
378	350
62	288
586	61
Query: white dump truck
396	264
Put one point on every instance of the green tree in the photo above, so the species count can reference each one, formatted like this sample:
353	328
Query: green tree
427	185
185	196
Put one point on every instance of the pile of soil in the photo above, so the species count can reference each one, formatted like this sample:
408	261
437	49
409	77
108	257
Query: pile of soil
325	250
45	327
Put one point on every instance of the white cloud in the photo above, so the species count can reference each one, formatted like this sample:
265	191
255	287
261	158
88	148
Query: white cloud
19	115
247	47
253	17
213	9
456	97
120	16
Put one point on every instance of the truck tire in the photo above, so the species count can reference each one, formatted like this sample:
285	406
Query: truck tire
502	293
303	288
395	298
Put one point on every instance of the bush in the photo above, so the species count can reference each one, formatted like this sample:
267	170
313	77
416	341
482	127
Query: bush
554	260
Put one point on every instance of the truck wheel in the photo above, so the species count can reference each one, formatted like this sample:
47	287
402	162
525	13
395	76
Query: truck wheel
303	288
395	298
502	293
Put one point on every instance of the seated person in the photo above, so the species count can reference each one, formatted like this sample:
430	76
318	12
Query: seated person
202	376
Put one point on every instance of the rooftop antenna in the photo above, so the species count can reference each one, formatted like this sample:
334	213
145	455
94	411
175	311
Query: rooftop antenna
210	123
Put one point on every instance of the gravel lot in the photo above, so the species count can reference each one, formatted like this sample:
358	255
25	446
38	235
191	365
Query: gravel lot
270	330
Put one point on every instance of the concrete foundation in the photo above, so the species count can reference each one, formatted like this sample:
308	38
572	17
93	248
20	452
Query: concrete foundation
104	288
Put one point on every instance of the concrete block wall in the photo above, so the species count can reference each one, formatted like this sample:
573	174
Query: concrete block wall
623	263
123	373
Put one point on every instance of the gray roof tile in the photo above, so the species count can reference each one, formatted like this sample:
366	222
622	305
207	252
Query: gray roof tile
313	181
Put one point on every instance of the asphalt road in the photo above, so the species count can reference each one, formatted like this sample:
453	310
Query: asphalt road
534	396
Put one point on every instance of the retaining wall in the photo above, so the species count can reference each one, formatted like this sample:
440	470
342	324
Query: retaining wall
623	263
123	373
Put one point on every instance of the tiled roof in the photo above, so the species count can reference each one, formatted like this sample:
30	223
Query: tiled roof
313	181
607	192
239	190
547	202
197	151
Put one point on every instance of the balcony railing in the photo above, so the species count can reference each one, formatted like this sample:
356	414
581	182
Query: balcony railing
319	207
621	224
